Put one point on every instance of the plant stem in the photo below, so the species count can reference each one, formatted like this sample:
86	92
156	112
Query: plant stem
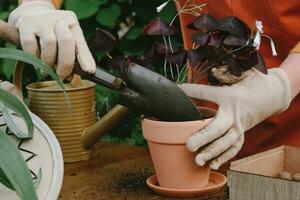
181	71
165	63
170	44
165	67
171	70
177	70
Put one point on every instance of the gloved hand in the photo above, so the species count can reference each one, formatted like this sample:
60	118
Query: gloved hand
60	36
7	86
241	106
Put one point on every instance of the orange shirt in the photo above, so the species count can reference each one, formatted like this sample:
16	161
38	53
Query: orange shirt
57	3
281	21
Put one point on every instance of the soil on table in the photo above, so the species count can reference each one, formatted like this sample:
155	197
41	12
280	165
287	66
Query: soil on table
116	173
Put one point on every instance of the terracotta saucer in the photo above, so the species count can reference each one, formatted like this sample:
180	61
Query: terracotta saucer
216	183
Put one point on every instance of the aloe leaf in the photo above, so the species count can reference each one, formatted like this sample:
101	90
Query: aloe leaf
10	102
15	168
16	54
5	181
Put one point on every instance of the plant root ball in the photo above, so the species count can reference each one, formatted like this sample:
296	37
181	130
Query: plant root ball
297	177
223	75
285	175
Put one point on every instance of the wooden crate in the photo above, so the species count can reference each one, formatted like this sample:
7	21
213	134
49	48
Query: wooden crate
255	177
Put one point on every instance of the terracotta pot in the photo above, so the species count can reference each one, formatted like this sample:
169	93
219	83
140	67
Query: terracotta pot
174	164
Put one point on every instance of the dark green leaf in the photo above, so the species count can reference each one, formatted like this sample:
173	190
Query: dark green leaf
133	33
168	12
107	16
4	15
8	66
84	9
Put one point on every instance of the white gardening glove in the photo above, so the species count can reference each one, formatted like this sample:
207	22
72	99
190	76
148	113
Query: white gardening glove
60	36
241	106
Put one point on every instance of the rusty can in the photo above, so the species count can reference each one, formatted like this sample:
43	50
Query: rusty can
47	100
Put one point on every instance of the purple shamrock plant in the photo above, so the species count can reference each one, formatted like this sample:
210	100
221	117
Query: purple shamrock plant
225	51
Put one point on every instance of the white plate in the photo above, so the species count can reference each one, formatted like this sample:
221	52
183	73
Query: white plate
48	158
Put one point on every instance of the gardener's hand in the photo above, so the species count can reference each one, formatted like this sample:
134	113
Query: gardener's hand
7	86
241	106
59	33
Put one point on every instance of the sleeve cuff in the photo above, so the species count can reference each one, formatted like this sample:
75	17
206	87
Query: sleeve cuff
57	3
296	49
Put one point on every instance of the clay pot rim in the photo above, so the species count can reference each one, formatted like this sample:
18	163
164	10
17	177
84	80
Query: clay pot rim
171	137
42	86
207	113
175	137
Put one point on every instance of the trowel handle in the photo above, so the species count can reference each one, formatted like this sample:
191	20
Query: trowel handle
101	77
9	33
92	135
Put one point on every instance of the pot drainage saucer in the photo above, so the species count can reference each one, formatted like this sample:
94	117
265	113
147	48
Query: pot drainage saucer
216	183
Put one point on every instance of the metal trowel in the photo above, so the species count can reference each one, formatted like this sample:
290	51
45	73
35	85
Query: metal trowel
148	93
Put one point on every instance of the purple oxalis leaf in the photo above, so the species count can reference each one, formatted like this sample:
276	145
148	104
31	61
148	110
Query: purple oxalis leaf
142	61
196	56
234	67
161	49
247	60
216	39
178	58
201	39
121	64
233	25
157	50
102	40
204	22
159	27
261	65
233	40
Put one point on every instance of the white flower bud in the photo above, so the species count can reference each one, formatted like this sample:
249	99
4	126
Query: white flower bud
159	8
259	26
274	52
256	41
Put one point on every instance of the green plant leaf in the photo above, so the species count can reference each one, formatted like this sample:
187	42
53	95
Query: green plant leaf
7	68
10	103
5	181
15	169
4	15
84	9
168	12
133	33
16	54
108	15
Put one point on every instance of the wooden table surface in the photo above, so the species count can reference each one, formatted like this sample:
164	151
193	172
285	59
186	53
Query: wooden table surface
115	172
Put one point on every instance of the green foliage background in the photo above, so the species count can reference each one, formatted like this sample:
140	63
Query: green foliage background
112	15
